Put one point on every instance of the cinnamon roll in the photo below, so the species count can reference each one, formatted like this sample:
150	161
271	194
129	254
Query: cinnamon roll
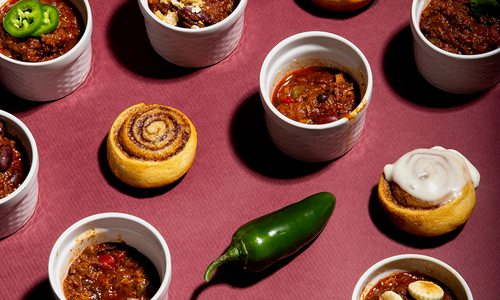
151	145
429	192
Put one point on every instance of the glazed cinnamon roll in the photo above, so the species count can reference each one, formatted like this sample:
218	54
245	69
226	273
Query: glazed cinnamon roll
151	145
429	192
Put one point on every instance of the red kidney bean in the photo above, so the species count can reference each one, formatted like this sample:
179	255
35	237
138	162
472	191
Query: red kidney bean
323	119
322	98
6	157
191	17
17	177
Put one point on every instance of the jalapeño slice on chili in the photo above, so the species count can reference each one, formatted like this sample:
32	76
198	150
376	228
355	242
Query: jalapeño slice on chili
50	16
24	18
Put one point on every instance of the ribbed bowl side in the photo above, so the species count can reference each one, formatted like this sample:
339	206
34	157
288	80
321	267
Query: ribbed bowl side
198	50
16	215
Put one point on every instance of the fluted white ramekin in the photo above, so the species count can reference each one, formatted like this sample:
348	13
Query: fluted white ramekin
56	78
315	142
18	207
422	264
450	72
199	47
109	227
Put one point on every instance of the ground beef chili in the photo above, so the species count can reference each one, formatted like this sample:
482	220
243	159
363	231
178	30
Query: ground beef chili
109	271
451	26
192	13
316	95
399	282
47	46
11	164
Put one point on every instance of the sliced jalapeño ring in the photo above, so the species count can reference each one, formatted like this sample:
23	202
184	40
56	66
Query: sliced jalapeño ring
50	16
24	18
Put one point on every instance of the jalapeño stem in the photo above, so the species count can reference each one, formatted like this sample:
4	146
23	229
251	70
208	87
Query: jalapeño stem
232	254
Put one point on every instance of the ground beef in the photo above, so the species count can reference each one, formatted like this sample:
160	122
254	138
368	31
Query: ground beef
451	26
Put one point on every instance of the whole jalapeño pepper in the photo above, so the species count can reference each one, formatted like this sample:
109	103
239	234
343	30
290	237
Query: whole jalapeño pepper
272	237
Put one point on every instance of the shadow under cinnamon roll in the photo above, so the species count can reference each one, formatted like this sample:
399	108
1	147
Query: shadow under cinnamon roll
151	145
429	192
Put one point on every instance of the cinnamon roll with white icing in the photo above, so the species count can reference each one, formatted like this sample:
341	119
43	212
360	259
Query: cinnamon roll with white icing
429	192
151	145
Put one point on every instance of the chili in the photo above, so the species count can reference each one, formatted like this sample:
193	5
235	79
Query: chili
452	26
399	282
272	237
192	14
111	271
316	95
12	167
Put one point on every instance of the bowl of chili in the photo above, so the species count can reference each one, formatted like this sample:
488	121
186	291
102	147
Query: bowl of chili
194	47
395	273
327	102
454	50
18	174
47	58
126	256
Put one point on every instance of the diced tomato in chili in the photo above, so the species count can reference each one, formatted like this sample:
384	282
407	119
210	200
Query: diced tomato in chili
287	100
107	261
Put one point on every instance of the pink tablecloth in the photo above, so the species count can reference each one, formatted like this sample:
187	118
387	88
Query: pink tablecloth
238	174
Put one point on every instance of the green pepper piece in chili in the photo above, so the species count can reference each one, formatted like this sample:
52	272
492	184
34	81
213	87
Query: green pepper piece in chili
265	240
297	91
50	21
23	18
485	7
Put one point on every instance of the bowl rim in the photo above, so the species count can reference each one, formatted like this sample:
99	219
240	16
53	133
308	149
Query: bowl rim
314	34
358	288
33	170
232	18
415	17
86	36
54	254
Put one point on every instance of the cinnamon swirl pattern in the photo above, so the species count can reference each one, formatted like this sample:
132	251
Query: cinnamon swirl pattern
151	145
429	192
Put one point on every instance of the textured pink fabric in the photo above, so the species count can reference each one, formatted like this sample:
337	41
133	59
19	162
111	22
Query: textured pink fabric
238	174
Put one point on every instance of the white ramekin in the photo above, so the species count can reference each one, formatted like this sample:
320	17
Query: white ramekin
315	142
109	227
450	72
56	78
422	264
18	207
200	47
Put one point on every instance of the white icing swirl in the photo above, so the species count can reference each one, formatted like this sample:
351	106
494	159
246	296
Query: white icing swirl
435	175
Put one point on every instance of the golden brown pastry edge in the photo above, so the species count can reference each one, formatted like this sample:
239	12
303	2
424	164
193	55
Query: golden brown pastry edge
144	173
428	222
